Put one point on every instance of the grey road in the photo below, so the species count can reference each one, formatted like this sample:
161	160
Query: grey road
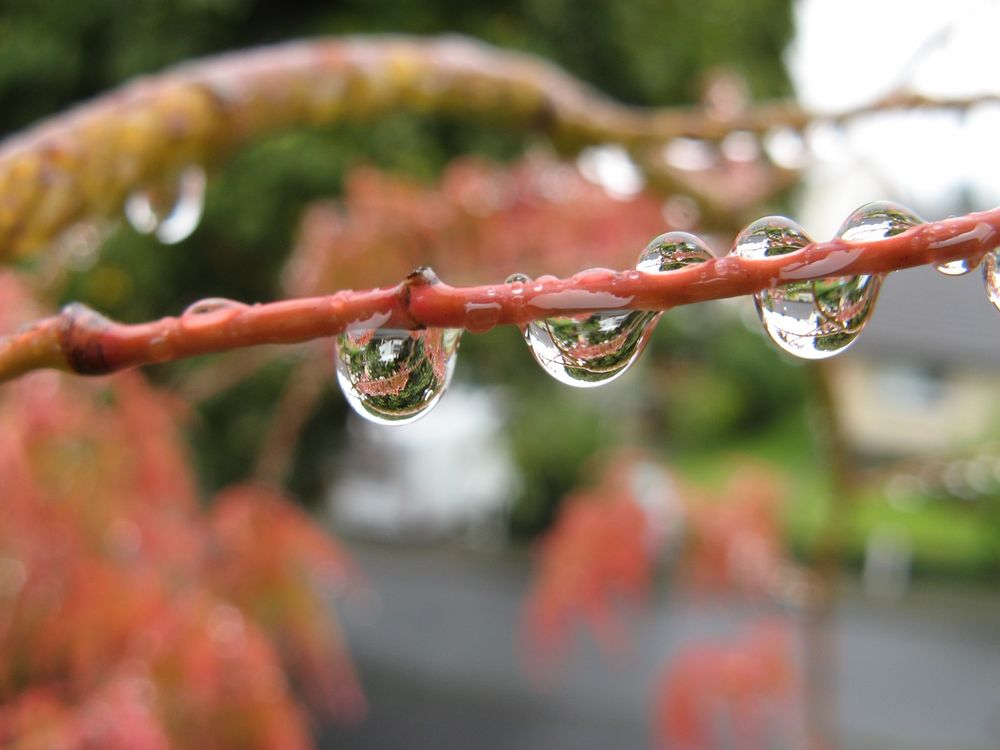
437	650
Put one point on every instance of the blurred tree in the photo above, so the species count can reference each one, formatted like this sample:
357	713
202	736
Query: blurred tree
56	52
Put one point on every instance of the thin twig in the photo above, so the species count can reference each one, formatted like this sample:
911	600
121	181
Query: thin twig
82	341
85	162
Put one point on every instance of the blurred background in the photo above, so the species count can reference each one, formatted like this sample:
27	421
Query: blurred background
723	548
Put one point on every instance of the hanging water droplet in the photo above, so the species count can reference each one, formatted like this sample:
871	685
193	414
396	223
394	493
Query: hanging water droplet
592	349
394	376
816	319
991	277
789	312
851	306
957	267
170	212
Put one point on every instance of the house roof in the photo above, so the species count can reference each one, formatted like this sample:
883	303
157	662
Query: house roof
924	316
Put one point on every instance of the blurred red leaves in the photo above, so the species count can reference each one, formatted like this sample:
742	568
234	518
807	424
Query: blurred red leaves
736	540
740	692
131	616
600	557
537	216
596	558
593	561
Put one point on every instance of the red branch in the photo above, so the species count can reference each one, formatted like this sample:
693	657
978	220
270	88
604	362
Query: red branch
81	340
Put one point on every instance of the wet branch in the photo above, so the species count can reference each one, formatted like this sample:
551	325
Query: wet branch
83	341
84	162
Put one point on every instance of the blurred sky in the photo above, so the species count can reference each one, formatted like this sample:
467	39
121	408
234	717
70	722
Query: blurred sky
847	53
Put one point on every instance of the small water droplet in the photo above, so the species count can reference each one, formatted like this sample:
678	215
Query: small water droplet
517	281
991	277
170	212
394	376
480	317
672	251
209	312
957	267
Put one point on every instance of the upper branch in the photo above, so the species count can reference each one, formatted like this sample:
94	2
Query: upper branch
86	161
80	340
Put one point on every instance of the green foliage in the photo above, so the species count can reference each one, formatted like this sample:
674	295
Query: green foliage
226	438
57	52
555	434
720	381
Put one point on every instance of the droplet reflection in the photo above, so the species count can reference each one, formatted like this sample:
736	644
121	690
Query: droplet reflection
816	319
592	349
991	277
395	376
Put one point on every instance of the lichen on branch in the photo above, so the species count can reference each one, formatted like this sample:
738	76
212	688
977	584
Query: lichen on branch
84	162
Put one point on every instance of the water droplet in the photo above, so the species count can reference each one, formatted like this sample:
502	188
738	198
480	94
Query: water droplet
592	349
170	212
393	376
816	319
480	317
672	251
876	221
768	237
790	312
517	281
991	277
209	312
957	267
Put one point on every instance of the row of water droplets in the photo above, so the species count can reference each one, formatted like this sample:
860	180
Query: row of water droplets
396	376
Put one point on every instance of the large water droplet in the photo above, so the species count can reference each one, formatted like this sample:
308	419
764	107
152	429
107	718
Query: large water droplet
170	212
991	277
852	304
592	349
789	312
393	376
589	350
816	319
